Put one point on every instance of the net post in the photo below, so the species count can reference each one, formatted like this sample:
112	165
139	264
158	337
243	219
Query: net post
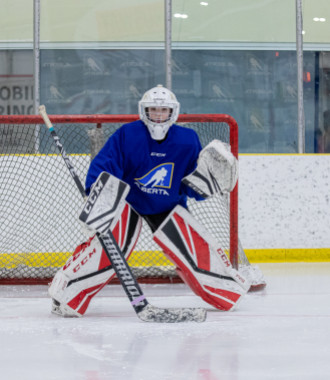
234	198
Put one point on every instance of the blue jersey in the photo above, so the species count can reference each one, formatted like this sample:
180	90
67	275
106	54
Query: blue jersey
153	170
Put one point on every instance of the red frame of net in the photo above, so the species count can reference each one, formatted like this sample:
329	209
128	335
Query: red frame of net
99	120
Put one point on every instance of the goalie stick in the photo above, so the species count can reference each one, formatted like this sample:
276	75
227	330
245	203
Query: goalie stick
144	310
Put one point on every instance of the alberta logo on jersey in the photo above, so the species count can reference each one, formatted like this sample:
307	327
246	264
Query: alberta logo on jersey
157	179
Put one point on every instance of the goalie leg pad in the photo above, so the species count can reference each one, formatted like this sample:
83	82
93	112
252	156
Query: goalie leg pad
201	262
88	270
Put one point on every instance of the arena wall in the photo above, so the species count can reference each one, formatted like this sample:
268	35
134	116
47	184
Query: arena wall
284	207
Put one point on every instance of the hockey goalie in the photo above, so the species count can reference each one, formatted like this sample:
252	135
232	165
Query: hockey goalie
149	168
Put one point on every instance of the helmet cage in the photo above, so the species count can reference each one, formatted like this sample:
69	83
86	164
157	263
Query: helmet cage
160	121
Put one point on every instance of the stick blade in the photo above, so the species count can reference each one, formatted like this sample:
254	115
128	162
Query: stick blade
172	315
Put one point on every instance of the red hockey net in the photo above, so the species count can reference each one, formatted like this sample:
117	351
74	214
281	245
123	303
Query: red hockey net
40	202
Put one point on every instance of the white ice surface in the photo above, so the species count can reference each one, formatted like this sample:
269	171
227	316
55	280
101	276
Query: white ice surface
282	332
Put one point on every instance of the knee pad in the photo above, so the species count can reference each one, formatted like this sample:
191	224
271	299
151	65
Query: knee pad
200	261
88	270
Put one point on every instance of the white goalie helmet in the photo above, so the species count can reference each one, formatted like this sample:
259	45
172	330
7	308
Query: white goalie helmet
159	98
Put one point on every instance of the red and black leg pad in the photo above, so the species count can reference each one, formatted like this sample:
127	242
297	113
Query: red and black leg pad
200	261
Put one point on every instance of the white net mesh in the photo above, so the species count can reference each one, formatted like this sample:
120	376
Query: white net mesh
40	202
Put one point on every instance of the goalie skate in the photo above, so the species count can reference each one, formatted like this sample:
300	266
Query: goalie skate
63	311
254	275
